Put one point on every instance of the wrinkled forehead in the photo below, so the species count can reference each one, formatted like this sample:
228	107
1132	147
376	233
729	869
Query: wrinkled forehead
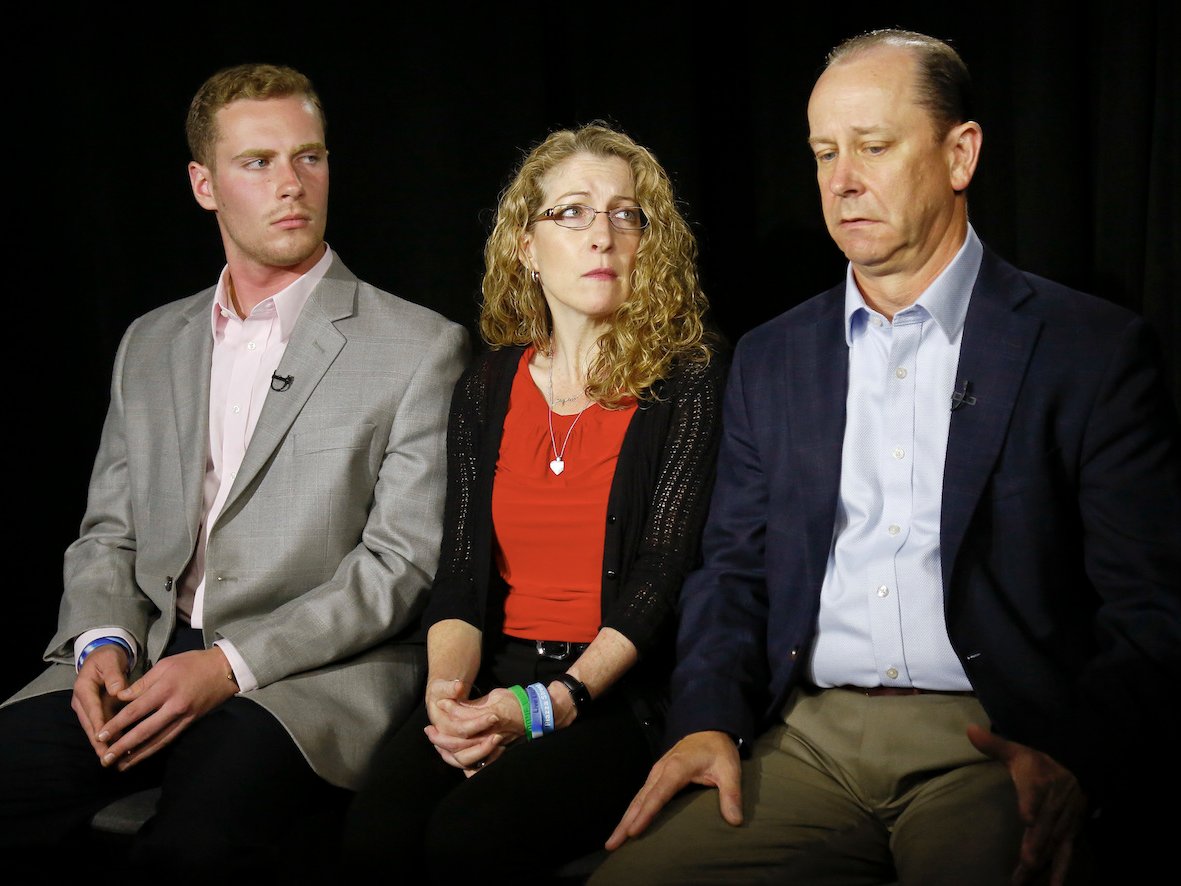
585	172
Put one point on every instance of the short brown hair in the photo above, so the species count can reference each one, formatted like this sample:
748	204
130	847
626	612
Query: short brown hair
247	81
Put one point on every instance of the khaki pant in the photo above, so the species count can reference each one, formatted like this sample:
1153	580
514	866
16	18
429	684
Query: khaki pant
852	790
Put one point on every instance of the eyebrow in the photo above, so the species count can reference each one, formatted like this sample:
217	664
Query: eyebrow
586	195
265	154
857	130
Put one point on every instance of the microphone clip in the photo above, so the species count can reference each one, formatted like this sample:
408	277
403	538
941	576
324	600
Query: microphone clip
962	397
280	383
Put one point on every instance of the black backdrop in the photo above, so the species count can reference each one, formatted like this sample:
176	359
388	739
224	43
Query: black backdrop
429	111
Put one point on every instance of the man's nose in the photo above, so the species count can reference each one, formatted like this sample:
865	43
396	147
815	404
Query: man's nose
844	176
288	182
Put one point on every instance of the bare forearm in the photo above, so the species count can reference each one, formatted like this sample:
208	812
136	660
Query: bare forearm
453	651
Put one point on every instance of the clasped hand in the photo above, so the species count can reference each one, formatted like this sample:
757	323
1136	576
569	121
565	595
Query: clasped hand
127	724
467	733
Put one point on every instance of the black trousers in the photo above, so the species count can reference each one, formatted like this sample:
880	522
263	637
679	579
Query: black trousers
237	794
542	803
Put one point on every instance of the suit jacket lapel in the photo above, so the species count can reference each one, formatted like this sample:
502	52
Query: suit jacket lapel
192	347
818	386
995	351
314	345
819	377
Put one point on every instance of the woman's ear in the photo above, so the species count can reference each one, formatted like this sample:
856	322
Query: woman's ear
525	252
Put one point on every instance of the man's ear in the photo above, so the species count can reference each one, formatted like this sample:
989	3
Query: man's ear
963	145
201	181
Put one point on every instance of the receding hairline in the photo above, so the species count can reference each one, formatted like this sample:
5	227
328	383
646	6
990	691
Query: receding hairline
940	78
897	38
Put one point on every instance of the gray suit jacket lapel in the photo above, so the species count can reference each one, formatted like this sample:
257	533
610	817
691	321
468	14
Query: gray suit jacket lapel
191	356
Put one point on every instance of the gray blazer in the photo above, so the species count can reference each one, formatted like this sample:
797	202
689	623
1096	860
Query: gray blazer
322	556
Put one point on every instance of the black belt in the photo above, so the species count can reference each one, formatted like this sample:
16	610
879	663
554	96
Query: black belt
558	650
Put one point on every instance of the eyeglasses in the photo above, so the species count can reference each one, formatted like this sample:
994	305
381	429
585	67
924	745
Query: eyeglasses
579	217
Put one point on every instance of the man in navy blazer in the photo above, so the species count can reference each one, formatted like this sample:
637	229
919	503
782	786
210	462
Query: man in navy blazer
935	637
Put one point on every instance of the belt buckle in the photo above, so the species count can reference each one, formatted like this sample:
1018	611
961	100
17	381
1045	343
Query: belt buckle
555	649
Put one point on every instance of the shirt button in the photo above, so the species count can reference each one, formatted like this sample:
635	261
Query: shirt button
875	321
899	452
894	529
250	346
900	372
883	591
237	409
892	673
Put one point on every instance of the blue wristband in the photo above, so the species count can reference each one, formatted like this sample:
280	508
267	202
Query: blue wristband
545	703
535	718
105	641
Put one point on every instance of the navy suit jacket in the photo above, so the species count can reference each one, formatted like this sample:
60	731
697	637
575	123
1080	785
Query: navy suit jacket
1060	528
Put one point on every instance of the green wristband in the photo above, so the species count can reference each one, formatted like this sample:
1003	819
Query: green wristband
523	700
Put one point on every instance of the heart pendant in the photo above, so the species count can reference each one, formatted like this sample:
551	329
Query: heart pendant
557	466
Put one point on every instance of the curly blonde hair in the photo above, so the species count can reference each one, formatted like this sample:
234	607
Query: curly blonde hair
663	319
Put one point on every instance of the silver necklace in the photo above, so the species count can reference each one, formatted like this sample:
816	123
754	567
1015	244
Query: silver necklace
558	465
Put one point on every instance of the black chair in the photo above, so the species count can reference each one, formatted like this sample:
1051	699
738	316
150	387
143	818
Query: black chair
122	818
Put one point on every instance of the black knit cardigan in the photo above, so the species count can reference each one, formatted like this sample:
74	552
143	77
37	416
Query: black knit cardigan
656	509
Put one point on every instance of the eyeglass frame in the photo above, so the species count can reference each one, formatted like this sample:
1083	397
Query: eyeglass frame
548	215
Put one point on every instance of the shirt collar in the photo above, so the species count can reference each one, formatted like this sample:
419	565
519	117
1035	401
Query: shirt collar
945	300
286	304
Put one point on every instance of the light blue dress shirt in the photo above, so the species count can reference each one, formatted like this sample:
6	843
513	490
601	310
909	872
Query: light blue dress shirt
881	617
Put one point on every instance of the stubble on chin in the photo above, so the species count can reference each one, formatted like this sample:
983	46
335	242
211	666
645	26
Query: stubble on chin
289	251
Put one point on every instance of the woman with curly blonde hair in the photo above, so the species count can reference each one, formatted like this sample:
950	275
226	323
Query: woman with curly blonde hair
581	451
662	320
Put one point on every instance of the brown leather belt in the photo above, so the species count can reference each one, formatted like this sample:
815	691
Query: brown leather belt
880	691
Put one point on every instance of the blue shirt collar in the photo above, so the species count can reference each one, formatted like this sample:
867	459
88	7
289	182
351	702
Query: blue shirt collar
945	300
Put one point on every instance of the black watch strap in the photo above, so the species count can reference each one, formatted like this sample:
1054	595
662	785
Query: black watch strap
578	691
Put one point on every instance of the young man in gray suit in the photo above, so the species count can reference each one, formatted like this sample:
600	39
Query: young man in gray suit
262	527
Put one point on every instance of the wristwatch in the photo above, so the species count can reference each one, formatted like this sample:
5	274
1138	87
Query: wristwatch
578	691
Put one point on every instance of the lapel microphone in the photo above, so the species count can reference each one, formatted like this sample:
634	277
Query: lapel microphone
959	398
280	383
